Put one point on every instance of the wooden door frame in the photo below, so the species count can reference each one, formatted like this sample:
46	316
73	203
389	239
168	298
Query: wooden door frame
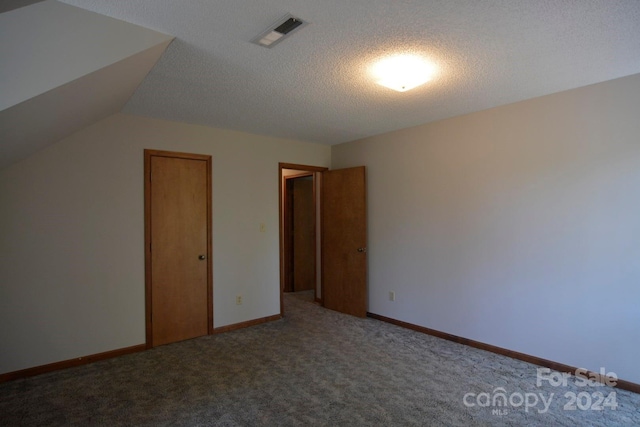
305	171
147	237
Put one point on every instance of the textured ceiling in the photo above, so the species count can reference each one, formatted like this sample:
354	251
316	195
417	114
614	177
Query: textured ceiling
315	86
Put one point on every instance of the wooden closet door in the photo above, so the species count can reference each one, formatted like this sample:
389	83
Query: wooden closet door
179	248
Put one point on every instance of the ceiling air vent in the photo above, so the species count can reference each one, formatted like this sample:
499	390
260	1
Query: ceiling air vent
279	31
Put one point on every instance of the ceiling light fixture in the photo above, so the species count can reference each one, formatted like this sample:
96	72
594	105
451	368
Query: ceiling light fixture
402	72
277	32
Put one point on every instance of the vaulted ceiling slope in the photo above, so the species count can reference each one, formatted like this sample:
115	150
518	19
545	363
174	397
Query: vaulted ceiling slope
64	68
316	86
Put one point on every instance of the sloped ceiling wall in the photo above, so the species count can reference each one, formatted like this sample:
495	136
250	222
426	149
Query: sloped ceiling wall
8	5
64	68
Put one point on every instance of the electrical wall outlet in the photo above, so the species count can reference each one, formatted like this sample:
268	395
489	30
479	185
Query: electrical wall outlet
238	299
392	296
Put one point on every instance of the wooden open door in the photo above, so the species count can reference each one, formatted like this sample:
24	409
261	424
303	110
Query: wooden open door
344	241
178	246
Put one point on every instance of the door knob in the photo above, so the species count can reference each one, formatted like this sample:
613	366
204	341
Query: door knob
362	249
202	257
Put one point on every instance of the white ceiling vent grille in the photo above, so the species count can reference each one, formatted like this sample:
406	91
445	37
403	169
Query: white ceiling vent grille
279	31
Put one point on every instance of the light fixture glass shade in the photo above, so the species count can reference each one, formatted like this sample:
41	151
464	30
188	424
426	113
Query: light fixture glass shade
269	38
402	72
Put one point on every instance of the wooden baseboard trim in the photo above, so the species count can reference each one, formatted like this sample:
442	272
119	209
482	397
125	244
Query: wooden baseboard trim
246	324
560	367
64	364
37	370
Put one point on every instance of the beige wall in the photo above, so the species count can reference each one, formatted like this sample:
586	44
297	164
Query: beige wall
517	226
72	234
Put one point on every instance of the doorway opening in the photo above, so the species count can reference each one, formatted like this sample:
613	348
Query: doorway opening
340	218
299	200
299	233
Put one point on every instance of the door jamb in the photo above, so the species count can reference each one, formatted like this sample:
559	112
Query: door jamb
302	168
147	237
